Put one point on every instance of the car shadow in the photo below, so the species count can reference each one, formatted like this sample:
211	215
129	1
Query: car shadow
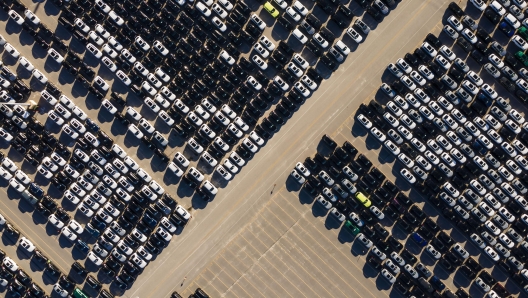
292	185
78	90
369	272
184	190
382	284
64	242
12	27
197	202
319	211
118	129
51	65
305	197
130	140
331	223
38	218
344	236
170	179
358	130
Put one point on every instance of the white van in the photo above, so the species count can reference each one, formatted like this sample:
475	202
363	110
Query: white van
341	46
301	37
512	21
497	7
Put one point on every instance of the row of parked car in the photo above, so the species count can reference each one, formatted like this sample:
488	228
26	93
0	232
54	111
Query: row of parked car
493	203
357	192
13	278
63	175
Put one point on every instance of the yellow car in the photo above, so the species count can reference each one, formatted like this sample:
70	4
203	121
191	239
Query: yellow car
363	199
272	11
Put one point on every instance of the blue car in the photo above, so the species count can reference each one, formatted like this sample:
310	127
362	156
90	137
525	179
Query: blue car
478	147
485	99
92	125
419	239
82	246
506	29
35	190
437	283
92	231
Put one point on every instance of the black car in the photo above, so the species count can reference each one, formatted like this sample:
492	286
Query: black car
326	7
314	21
329	62
375	13
456	10
433	40
382	232
79	269
284	22
464	44
314	49
492	16
478	57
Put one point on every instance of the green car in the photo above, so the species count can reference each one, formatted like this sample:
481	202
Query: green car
522	57
351	228
523	32
272	11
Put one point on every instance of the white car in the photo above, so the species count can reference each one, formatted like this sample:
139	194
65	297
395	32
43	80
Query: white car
249	145
302	89
256	138
123	77
320	40
429	49
388	276
160	48
136	260
267	43
219	11
109	64
227	58
94	50
203	9
142	43
301	61
66	232
241	124
219	24
230	166
39	76
364	120
96	38
22	177
293	14
354	35
15	17
31	17
16	185
27	65
26	244
480	4
295	70
102	31
520	42
281	83
253	83
114	43
259	62
162	76
451	32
